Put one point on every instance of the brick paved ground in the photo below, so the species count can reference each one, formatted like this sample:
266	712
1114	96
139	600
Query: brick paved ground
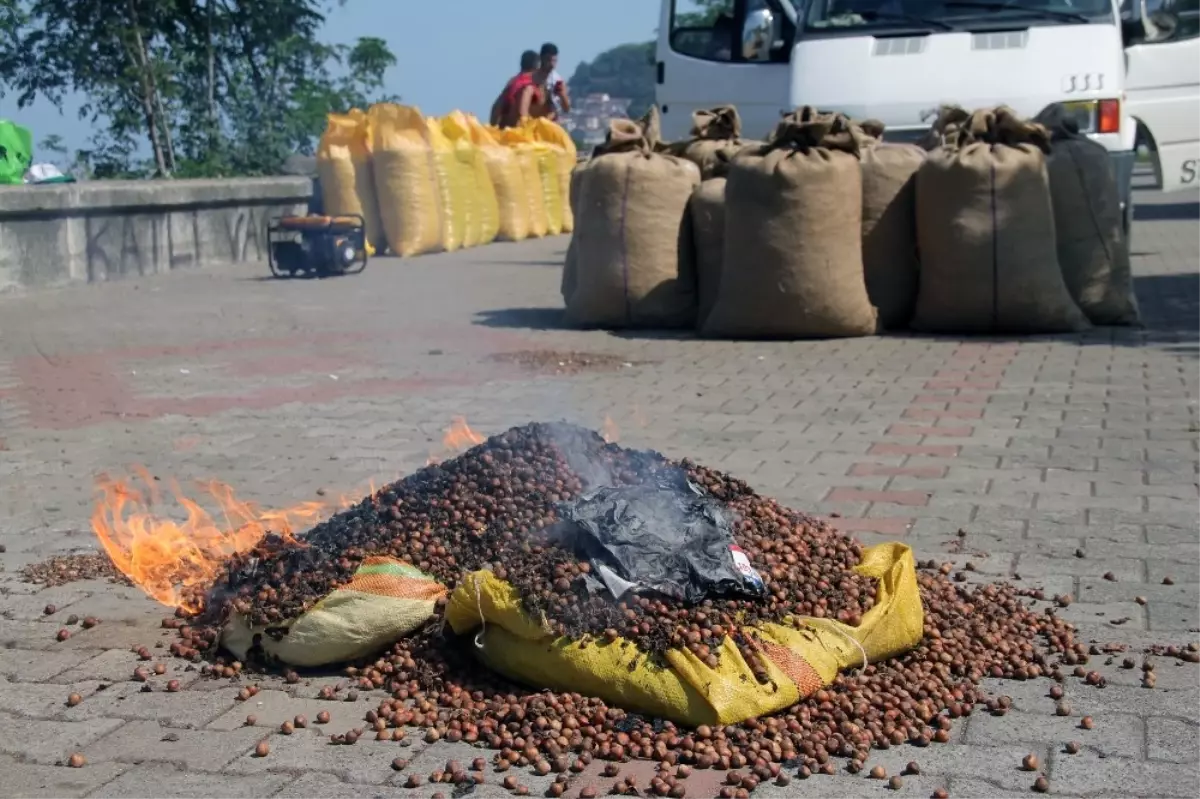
1035	448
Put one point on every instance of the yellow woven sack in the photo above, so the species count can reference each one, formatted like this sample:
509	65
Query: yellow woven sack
344	169
685	690
521	145
549	175
384	601
405	179
511	204
455	190
549	132
484	211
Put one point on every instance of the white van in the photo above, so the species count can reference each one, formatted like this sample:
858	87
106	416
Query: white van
1130	82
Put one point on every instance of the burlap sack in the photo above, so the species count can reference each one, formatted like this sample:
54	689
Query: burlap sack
707	211
889	231
715	139
631	250
571	264
1092	248
985	230
947	120
792	266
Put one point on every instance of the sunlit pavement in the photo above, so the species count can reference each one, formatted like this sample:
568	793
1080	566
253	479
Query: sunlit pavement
306	391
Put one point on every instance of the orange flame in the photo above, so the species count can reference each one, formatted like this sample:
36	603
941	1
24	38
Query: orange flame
165	557
610	432
459	436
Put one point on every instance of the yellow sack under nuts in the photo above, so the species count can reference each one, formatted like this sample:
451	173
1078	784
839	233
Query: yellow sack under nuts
385	600
799	661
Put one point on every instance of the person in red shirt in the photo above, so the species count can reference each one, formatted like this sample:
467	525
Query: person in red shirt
521	95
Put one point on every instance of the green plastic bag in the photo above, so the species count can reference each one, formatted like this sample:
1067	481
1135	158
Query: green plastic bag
16	152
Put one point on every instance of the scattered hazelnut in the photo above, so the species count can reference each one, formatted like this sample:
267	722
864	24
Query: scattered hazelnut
76	761
1072	747
1086	723
262	750
1030	763
1041	785
63	634
73	700
877	773
323	717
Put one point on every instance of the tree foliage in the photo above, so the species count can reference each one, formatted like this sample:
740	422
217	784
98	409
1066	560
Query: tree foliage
208	87
626	70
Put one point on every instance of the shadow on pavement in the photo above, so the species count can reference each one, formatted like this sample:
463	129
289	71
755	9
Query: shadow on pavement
526	318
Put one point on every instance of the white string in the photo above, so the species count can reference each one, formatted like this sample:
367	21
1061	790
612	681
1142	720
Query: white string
479	607
854	641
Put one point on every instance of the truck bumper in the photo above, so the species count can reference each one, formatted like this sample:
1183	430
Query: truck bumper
1123	162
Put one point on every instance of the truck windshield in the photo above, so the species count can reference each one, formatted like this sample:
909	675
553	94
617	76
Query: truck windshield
828	16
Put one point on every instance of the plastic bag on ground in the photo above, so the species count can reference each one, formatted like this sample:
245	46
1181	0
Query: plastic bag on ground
631	258
346	174
666	538
512	205
384	601
551	133
799	660
16	152
792	265
985	231
406	180
1093	249
485	213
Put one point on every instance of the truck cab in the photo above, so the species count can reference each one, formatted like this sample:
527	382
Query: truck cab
1129	75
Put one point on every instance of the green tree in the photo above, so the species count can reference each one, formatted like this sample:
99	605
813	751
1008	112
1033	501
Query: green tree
213	87
626	70
705	13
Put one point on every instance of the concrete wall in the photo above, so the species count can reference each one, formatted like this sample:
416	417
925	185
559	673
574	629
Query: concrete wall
105	230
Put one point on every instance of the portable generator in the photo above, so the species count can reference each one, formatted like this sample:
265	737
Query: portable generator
316	246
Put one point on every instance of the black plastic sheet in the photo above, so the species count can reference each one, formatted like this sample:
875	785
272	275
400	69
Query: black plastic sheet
667	538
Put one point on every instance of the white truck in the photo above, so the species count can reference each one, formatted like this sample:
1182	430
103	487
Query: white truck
1131	76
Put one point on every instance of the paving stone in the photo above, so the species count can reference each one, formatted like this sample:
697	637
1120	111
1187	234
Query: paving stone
117	665
24	665
149	742
1087	774
48	700
184	709
327	786
32	607
272	708
48	742
1113	734
54	782
1173	739
367	762
998	764
167	782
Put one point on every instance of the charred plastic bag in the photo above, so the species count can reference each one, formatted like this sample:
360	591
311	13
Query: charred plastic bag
707	212
889	225
716	138
384	601
632	249
1093	250
985	230
666	538
800	659
792	264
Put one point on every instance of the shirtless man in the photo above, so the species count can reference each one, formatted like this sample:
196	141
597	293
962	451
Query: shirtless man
522	96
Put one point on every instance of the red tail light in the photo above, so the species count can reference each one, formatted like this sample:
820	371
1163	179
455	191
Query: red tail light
1108	116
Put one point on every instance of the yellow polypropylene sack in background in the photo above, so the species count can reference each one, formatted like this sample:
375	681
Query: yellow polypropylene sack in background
406	180
548	160
455	189
345	172
484	216
384	601
553	134
511	203
799	661
520	143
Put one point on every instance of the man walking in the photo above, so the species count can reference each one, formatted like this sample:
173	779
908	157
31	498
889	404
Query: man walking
552	84
523	96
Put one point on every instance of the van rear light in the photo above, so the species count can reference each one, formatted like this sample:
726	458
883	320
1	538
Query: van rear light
1108	116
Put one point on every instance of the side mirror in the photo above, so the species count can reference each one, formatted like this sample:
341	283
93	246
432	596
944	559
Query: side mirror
758	34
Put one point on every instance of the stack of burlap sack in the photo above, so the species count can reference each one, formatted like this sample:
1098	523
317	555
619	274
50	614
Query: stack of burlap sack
1001	225
429	185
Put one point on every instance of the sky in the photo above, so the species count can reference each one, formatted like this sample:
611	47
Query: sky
449	55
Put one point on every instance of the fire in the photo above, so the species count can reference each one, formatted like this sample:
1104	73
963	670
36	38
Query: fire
165	557
459	436
610	432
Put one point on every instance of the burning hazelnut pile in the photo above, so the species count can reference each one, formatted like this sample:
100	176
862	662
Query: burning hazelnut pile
486	508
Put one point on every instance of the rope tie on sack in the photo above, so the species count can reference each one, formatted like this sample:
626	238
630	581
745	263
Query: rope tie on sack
722	122
479	608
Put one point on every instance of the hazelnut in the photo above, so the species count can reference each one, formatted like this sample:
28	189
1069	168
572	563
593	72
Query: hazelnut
262	749
1030	763
1041	785
73	700
63	634
1086	723
76	761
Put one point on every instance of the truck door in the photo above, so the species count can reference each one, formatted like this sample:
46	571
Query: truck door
723	52
1162	89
